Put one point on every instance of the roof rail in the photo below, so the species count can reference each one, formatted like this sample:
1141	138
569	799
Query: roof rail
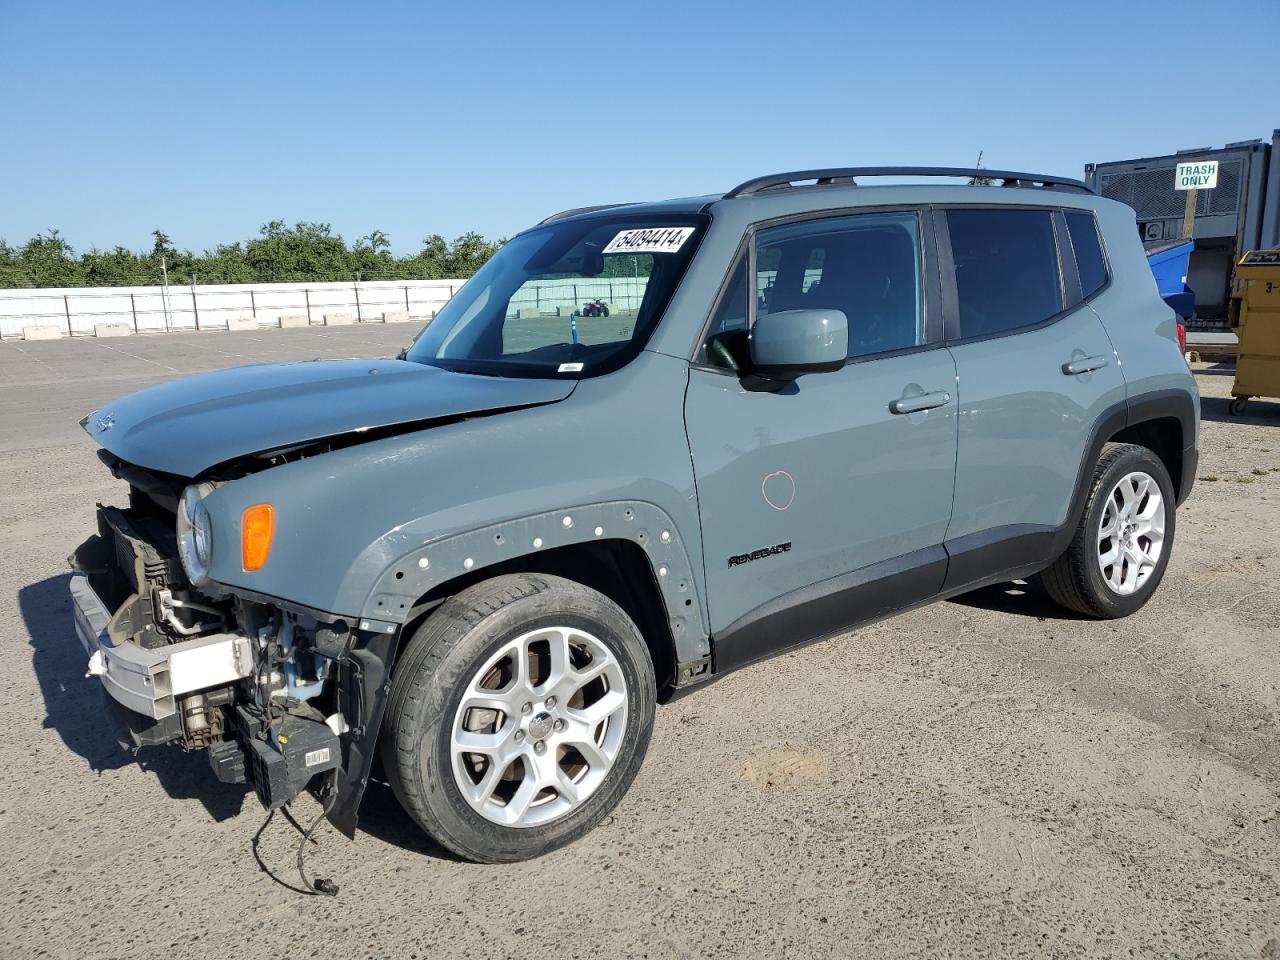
565	214
844	176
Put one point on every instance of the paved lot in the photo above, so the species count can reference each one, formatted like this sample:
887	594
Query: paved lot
985	777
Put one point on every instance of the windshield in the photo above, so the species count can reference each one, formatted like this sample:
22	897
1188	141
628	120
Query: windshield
571	299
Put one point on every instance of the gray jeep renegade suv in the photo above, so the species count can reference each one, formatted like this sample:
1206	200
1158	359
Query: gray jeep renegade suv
791	409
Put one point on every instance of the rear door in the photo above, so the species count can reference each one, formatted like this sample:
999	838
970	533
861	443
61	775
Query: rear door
1036	371
825	502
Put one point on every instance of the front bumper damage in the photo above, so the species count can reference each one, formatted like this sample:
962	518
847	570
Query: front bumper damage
279	700
150	682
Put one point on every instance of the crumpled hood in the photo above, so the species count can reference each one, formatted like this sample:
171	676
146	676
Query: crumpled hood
187	426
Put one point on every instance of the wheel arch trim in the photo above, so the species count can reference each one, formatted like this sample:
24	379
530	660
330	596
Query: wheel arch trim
1179	405
437	562
1144	408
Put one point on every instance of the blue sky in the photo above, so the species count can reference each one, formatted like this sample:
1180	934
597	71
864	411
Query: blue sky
208	119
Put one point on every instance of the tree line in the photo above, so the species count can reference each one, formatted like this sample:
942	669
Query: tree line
280	253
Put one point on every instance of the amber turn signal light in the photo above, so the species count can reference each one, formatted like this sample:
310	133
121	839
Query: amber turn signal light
257	526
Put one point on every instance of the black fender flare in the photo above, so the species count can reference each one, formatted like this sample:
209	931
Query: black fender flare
1157	405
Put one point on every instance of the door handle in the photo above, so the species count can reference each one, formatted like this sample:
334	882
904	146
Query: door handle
923	401
1084	365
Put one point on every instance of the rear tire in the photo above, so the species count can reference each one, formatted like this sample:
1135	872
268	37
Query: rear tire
522	646
1123	541
1238	406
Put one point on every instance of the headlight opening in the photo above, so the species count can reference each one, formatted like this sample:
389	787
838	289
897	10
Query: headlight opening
195	535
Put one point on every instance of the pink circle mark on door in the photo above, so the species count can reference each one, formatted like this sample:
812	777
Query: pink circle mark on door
778	489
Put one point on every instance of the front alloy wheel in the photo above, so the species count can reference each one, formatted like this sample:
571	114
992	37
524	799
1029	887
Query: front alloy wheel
518	716
539	727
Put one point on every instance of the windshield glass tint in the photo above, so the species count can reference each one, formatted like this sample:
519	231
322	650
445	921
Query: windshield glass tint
572	299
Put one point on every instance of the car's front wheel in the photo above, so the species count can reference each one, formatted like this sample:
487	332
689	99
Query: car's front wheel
1122	543
518	716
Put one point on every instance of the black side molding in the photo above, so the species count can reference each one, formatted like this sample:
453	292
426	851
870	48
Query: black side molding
823	609
998	555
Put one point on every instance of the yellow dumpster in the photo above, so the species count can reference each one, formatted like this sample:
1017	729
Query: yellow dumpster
1256	316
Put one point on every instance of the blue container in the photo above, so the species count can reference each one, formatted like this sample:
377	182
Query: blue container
1168	260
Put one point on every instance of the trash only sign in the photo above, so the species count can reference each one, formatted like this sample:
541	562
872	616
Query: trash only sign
1196	176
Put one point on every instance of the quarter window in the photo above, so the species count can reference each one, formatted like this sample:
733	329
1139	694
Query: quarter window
867	266
1006	267
1088	248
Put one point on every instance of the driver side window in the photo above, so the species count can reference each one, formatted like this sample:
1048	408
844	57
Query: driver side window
867	266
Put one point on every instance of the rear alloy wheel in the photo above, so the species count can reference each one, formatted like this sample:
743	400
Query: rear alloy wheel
518	716
1122	543
1131	533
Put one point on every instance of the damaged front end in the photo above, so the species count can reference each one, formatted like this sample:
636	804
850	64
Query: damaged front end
281	697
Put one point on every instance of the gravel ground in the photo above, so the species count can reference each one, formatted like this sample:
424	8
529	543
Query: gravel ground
983	777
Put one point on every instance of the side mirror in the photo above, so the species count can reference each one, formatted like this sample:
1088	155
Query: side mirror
787	344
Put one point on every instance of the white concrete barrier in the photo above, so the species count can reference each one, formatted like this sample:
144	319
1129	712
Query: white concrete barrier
528	313
112	330
566	311
338	319
156	309
396	316
241	322
41	333
294	320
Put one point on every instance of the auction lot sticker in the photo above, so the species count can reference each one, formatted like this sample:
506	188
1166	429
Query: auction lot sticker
650	240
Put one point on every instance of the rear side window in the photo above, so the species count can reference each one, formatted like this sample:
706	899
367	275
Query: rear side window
1006	264
1088	247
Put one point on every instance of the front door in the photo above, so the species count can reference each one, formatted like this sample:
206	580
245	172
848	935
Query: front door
825	502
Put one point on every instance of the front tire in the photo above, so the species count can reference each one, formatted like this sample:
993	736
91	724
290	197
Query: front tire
518	716
1123	541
